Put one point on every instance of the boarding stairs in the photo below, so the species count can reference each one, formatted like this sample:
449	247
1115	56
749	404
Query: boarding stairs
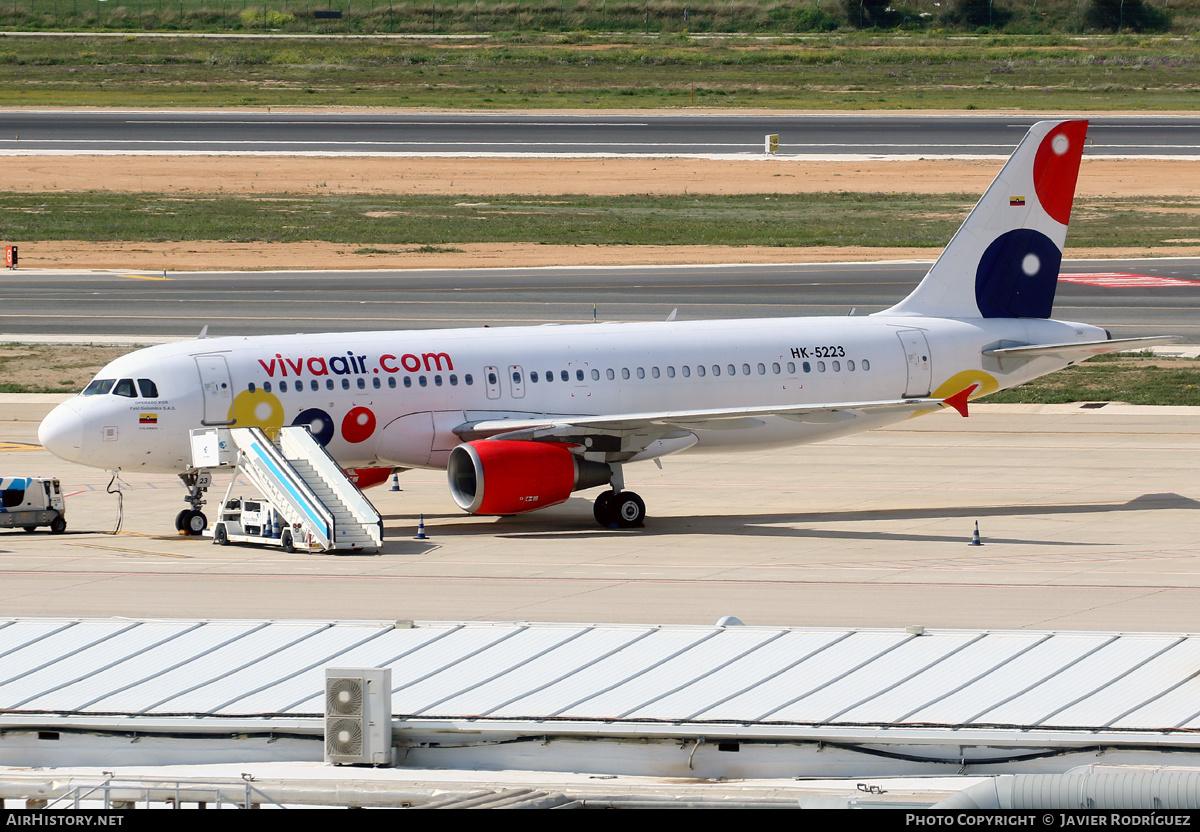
306	486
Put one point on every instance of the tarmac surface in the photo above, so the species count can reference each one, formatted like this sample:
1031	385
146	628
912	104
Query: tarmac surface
1089	519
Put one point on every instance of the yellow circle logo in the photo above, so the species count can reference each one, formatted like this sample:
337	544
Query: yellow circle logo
257	409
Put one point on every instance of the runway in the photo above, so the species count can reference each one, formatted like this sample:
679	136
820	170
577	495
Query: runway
859	135
143	304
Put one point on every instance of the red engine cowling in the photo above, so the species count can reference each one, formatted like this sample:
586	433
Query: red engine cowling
511	477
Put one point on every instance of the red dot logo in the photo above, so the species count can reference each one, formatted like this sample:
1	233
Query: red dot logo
1056	168
358	425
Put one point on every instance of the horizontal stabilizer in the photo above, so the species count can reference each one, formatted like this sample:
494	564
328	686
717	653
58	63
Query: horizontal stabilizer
1080	351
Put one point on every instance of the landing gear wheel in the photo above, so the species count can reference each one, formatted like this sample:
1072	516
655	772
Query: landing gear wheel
629	510
58	525
220	536
194	522
180	519
602	510
285	540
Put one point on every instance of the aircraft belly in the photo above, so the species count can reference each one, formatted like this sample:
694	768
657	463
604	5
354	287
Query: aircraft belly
778	432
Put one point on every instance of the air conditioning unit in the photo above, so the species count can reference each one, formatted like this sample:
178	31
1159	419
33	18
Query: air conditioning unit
358	716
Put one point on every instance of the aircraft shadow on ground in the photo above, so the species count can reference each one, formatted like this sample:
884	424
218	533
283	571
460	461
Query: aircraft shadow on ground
784	525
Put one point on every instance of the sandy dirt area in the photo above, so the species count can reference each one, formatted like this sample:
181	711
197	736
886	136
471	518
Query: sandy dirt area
192	175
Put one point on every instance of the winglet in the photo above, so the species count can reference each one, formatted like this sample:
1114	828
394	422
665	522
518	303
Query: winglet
959	400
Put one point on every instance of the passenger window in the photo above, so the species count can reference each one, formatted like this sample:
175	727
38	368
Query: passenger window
624	372
716	369
266	387
762	369
408	381
314	386
391	382
491	379
437	381
837	366
579	375
595	375
850	365
700	370
283	387
469	379
549	375
807	367
611	375
732	370
775	368
641	373
791	368
328	384
149	388
345	384
533	376
99	387
687	371
670	372
251	387
654	372
565	376
424	382
745	369
362	383
820	366
866	365
376	383
453	380
125	388
516	378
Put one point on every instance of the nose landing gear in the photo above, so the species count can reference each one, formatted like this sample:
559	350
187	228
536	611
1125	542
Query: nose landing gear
192	521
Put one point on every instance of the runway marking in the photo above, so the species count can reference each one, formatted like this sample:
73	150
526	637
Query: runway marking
1124	280
18	446
988	561
129	551
144	276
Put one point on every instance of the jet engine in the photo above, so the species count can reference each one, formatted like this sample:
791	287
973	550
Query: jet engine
504	476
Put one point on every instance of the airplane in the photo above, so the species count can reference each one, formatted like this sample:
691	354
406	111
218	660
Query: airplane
522	417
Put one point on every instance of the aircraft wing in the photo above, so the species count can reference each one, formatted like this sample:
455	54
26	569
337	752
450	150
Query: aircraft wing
1080	351
648	427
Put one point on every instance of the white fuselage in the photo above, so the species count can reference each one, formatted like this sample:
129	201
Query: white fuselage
397	398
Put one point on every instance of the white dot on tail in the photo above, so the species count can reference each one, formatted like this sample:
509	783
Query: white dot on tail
1060	144
1031	264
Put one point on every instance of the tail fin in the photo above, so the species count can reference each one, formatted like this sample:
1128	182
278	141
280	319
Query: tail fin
1004	260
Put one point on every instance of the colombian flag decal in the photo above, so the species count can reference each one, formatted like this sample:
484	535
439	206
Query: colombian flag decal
1015	201
148	419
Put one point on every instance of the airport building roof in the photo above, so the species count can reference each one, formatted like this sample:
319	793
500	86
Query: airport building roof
609	673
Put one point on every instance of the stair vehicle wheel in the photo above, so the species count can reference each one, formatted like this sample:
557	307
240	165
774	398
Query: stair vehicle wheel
195	522
629	509
220	536
602	509
285	540
30	528
58	525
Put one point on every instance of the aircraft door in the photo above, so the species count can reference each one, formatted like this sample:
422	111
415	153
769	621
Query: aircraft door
516	377
492	376
920	369
218	389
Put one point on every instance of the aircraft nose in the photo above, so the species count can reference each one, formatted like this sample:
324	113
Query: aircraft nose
61	432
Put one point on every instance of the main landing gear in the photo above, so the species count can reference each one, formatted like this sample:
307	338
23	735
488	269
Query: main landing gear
619	507
192	521
624	509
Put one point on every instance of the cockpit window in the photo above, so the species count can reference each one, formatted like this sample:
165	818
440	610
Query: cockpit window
99	387
149	388
124	387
